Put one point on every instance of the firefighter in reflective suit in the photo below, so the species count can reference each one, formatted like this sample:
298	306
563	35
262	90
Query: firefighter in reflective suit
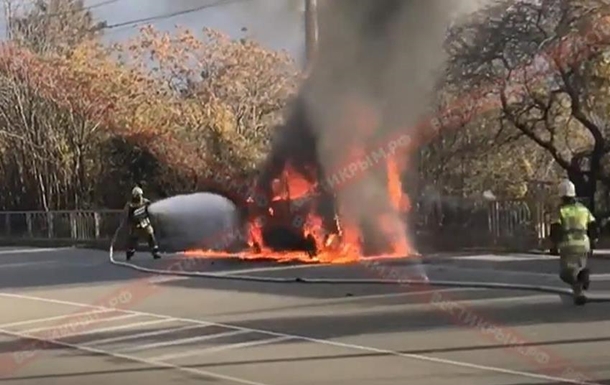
136	213
573	232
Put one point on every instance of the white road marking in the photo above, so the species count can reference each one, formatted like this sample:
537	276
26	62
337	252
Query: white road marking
417	357
271	268
509	299
115	328
491	270
504	258
147	334
37	250
216	349
80	323
600	277
548	276
153	363
165	278
182	341
63	316
31	263
392	295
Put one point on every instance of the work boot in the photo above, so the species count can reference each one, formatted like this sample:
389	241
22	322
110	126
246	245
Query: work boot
155	253
580	300
584	278
579	297
129	254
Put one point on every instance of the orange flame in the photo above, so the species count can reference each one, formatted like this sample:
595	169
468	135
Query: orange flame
343	244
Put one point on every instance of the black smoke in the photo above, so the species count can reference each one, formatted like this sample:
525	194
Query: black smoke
377	59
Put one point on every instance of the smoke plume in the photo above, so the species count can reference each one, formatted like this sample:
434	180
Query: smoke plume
373	79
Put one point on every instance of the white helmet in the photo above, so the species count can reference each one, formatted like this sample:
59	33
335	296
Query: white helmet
137	192
567	189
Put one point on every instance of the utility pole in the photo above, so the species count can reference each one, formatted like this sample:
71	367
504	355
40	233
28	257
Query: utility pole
311	32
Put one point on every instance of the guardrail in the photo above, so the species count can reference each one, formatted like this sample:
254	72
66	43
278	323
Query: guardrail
87	225
455	224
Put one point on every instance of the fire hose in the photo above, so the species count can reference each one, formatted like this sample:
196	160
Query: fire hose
599	298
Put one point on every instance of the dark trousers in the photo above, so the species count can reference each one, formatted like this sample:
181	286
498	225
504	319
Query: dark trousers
136	233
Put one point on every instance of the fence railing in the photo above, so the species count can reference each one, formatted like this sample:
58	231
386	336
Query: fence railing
87	225
454	224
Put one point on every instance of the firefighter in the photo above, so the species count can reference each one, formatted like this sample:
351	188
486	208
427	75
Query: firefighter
136	213
574	230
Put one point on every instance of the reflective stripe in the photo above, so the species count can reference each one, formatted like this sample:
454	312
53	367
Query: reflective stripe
574	220
574	242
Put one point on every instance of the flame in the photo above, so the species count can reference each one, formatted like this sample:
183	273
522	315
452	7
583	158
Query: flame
333	240
342	246
399	199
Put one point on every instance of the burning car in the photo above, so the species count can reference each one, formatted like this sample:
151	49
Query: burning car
367	89
291	214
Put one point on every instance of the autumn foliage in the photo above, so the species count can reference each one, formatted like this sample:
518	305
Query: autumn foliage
81	121
173	110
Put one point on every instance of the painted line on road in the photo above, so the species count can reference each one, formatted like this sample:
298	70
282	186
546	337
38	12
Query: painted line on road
535	298
423	306
417	357
392	295
119	327
491	270
271	268
146	334
23	264
81	323
63	316
440	266
36	250
150	362
504	258
165	278
600	277
182	341
216	349
499	258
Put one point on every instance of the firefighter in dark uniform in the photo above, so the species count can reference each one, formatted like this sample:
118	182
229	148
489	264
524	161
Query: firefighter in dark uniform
573	232
136	214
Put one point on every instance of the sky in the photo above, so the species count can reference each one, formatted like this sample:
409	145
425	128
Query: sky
278	24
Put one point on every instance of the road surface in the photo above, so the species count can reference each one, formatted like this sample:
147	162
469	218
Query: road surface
96	323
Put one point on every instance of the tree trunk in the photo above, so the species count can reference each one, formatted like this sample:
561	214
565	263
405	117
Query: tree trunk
595	171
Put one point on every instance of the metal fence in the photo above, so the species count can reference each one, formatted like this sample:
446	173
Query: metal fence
453	223
448	223
59	225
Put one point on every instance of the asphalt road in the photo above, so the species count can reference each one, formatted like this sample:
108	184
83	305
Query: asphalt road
70	317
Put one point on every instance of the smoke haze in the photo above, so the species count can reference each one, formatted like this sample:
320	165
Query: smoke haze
373	80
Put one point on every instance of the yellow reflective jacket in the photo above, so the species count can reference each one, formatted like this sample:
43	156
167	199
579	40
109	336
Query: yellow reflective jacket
575	220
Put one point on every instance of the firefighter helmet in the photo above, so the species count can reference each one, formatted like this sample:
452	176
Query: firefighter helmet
567	189
137	192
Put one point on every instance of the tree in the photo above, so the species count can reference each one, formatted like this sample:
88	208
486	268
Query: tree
227	93
76	130
542	66
48	128
51	25
474	152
